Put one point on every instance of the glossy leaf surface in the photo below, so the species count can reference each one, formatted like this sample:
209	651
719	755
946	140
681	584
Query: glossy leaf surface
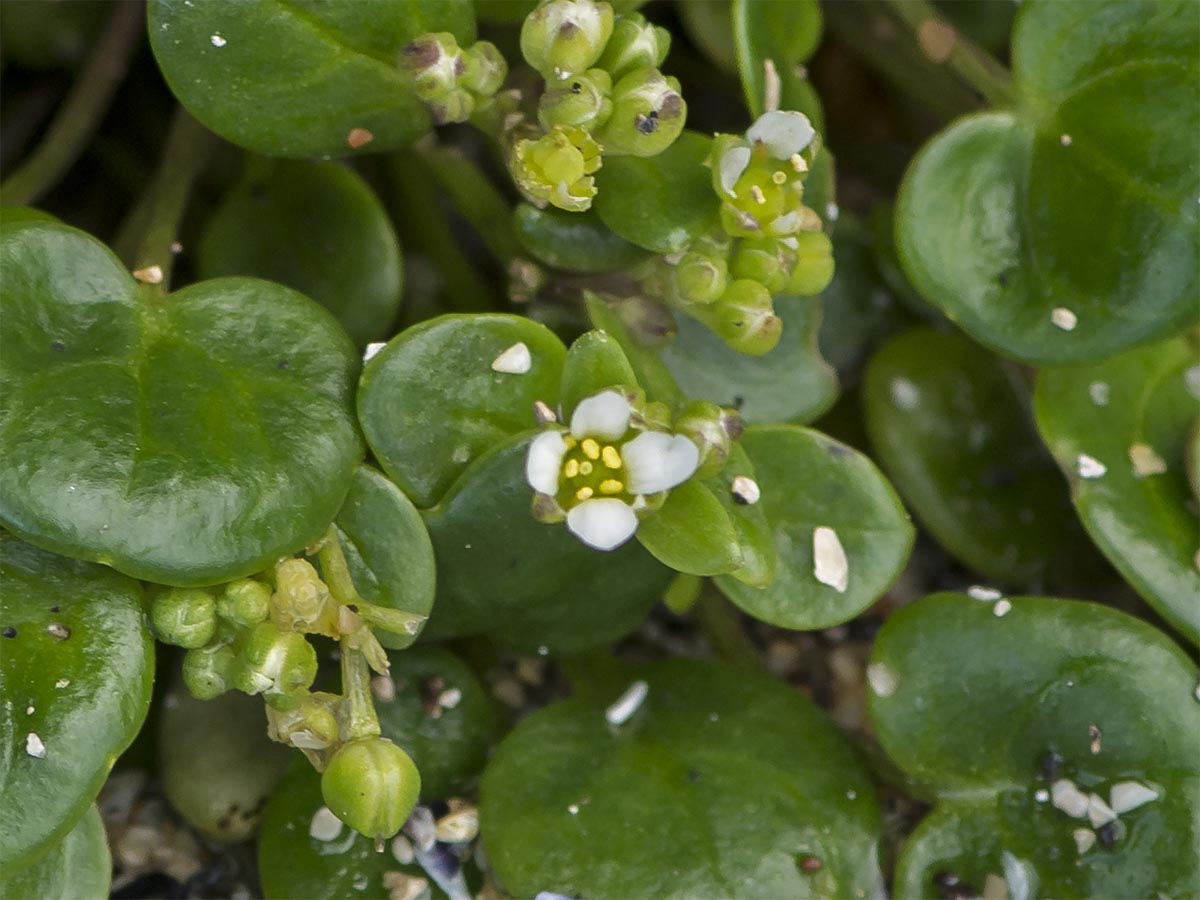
79	867
577	242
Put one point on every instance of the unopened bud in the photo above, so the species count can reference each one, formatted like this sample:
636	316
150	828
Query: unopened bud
635	44
648	114
763	260
484	69
435	63
557	168
814	264
208	672
563	37
244	602
701	277
185	617
371	785
744	318
302	602
583	100
276	663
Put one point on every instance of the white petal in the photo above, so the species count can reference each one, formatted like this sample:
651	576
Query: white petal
784	132
544	461
605	415
657	461
604	524
733	164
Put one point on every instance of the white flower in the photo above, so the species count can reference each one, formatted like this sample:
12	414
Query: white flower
600	475
783	132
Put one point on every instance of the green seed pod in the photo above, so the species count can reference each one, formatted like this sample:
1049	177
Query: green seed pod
701	277
704	423
557	168
763	260
484	69
814	264
244	602
209	671
648	114
371	785
435	63
185	617
276	663
583	100
744	318
562	37
635	44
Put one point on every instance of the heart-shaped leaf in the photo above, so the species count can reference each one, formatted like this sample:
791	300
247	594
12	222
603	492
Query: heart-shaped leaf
387	549
76	668
315	227
1010	713
1065	229
723	783
951	425
297	77
841	533
660	202
791	383
524	584
1119	429
577	242
781	35
78	867
187	439
443	392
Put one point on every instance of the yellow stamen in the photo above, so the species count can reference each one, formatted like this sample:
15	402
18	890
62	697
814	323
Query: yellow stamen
571	469
611	486
611	457
584	493
585	468
591	449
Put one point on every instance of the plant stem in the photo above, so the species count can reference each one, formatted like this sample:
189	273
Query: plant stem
82	110
334	571
722	625
361	720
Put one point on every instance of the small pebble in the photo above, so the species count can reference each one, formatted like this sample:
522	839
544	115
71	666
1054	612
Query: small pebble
745	491
1085	839
543	413
402	850
1128	795
29	710
1099	391
1098	812
573	809
830	566
1063	318
460	825
149	275
978	592
1090	467
404	887
450	698
372	349
627	704
58	631
882	679
1065	140
218	41
1067	797
516	360
1146	461
1001	608
358	137
34	746
1041	795
325	826
1110	833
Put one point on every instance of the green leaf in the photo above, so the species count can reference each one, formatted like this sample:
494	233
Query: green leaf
387	549
708	26
525	584
808	482
77	653
594	362
1078	206
295	77
1131	415
577	242
56	36
755	539
721	784
692	532
791	383
430	402
79	867
217	764
315	227
952	428
971	700
661	202
186	440
786	34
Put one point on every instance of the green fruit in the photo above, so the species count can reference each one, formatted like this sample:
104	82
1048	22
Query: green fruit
563	37
648	114
371	785
209	672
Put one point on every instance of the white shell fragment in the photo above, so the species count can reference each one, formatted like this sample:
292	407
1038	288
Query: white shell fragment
1146	461
1127	795
372	349
34	746
1098	812
516	360
1085	839
149	275
1041	795
217	41
987	594
882	679
1063	318
1099	391
745	490
627	704
830	565
325	826
62	683
1090	467
1002	608
1067	797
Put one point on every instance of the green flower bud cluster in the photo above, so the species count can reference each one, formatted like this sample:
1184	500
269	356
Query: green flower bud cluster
604	95
451	81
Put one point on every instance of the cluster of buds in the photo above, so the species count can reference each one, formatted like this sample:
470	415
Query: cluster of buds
604	94
451	81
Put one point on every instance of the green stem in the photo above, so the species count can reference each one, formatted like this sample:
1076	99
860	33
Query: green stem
722	625
336	574
82	110
361	720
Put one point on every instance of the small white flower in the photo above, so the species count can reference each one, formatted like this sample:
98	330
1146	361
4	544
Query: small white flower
733	163
783	132
605	415
604	524
658	462
544	461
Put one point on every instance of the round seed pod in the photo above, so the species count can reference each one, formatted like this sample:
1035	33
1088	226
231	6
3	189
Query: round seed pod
371	785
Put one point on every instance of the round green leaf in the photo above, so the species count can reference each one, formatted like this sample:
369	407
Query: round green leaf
724	783
660	202
295	77
755	538
79	867
528	585
784	33
595	361
431	402
1065	229
315	227
809	482
387	549
692	532
186	440
791	383
1119	429
577	242
952	428
76	668
972	699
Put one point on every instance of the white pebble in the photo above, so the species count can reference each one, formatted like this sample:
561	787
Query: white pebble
149	275
1065	140
905	394
449	699
29	710
1098	812
372	349
627	704
516	360
325	826
979	592
34	746
1001	608
460	826
1085	839
1063	318
573	809
1127	795
830	565
218	41
1067	797
746	490
1146	461
1041	795
1090	467
882	679
1099	391
402	850
62	683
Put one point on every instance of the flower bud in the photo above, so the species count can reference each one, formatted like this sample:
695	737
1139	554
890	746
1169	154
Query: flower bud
557	168
435	63
704	423
701	277
763	260
814	264
562	37
301	601
582	100
744	318
209	672
635	44
648	114
311	724
185	617
244	602
371	785
275	663
455	106
484	69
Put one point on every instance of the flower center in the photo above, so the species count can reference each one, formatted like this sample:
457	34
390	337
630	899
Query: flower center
591	469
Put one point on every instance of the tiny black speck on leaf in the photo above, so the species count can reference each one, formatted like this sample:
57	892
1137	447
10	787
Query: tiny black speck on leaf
9	632
58	345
